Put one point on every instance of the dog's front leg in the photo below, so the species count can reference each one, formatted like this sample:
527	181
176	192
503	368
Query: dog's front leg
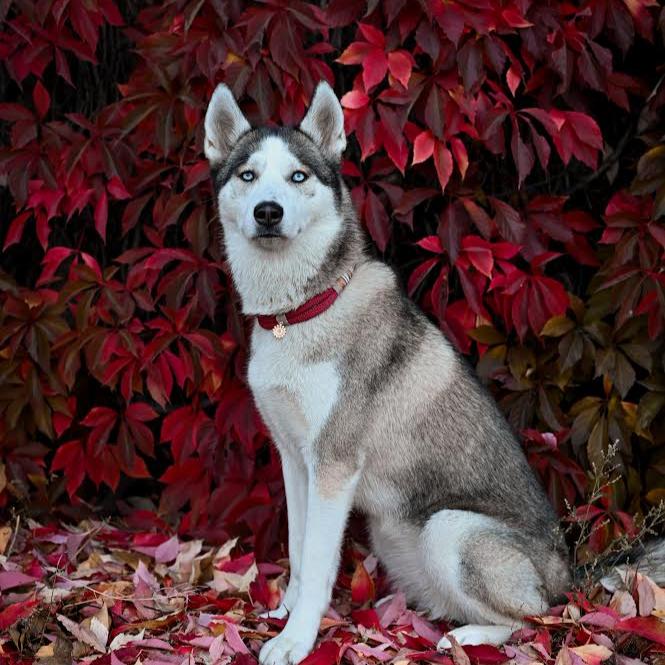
327	512
295	486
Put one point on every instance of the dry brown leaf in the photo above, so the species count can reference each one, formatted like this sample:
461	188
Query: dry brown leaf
457	652
592	654
623	603
121	639
223	581
47	651
82	633
650	596
157	624
5	537
563	657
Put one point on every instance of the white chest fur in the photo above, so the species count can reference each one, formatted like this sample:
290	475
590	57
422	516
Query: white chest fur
295	398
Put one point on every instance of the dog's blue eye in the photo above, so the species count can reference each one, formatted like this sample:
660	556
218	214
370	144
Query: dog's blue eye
247	176
299	176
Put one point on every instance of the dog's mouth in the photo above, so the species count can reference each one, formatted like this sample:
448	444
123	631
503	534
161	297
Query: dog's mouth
269	239
268	234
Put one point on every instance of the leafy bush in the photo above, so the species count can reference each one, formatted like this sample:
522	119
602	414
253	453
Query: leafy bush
494	163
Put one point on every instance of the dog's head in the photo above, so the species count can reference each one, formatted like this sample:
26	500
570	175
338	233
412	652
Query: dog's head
275	185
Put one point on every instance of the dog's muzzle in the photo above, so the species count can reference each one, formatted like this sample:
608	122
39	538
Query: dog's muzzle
268	215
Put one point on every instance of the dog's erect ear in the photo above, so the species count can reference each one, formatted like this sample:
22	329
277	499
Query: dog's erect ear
324	122
224	123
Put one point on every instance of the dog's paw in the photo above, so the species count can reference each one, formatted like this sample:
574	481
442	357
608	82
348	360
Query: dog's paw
280	612
284	650
472	635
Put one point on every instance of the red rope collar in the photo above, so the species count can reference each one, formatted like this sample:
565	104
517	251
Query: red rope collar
308	310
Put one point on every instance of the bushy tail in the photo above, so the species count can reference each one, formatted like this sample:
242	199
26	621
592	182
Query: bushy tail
647	559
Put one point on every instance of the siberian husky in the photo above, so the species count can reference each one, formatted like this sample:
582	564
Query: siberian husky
368	403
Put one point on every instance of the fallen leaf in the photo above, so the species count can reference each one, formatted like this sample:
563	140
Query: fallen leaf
5	537
592	654
122	639
650	628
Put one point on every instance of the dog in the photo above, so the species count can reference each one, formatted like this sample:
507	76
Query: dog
368	403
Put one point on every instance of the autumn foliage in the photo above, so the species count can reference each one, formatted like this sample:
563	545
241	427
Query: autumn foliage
503	156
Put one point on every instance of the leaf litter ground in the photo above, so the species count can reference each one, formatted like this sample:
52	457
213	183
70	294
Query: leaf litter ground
101	594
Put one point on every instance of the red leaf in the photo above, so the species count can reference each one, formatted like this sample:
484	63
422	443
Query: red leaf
449	16
443	161
196	173
99	415
522	154
418	275
70	458
325	654
376	218
368	618
452	225
651	628
116	188
16	611
375	66
15	113
472	291
423	147
373	35
355	99
460	154
586	129
355	53
15	230
480	257
470	61
400	64
101	215
41	99
140	411
513	79
431	244
362	585
508	220
485	654
393	137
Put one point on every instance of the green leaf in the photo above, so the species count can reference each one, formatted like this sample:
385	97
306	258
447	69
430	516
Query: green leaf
649	407
557	326
639	354
571	348
487	335
623	375
597	443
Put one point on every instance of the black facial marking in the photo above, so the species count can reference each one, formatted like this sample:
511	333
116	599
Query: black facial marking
248	144
299	143
326	170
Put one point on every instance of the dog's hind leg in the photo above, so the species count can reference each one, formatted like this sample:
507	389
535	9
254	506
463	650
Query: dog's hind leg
486	574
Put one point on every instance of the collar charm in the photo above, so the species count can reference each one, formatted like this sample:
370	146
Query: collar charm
279	330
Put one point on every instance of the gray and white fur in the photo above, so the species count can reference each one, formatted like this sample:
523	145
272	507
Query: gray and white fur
368	404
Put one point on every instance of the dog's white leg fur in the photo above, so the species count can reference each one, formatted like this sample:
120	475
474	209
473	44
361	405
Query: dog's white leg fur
474	634
324	529
295	485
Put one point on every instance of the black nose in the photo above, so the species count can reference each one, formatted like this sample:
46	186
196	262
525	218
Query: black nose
268	213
